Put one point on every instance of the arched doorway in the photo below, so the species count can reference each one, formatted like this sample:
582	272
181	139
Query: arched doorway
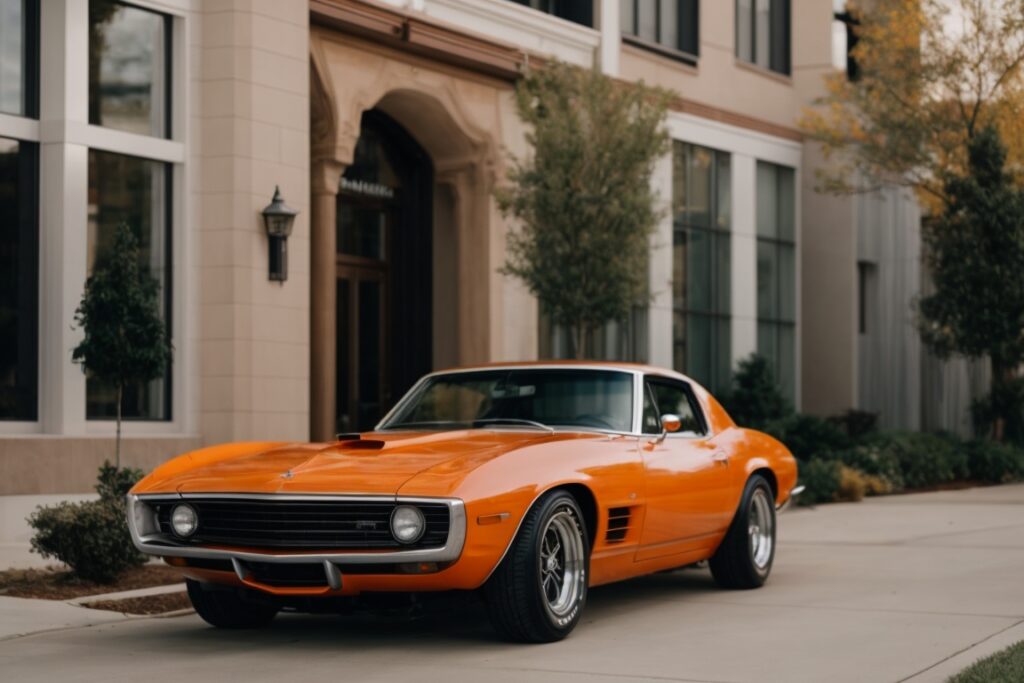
384	272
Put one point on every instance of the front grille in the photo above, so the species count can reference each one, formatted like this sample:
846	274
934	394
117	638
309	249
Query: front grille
302	524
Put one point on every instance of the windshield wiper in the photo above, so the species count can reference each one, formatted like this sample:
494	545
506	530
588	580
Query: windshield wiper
513	420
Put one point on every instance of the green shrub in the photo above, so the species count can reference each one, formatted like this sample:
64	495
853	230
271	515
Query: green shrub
821	481
114	483
856	424
807	436
91	537
1006	403
994	462
755	399
875	461
925	459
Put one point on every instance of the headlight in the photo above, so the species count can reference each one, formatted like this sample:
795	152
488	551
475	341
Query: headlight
184	520
407	524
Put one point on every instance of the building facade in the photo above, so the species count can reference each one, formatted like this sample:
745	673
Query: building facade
388	125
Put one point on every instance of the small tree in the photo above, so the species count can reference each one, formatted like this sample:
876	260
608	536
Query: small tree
583	199
755	398
125	338
975	253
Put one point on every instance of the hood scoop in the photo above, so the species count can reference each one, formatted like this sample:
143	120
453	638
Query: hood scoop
361	445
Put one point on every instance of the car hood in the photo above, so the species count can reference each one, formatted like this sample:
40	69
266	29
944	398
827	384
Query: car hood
377	463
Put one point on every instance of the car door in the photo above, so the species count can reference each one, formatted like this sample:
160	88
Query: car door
688	479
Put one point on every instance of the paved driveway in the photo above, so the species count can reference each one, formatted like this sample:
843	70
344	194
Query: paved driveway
904	587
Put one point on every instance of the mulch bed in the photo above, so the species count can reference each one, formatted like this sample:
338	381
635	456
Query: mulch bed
56	583
150	604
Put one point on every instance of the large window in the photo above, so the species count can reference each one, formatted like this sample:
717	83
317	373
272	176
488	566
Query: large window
762	33
776	272
19	30
572	10
129	68
136	192
701	201
18	277
671	24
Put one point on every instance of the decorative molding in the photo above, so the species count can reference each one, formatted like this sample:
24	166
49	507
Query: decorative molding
420	36
731	118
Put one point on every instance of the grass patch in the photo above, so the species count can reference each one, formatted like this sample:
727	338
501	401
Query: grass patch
1006	666
56	583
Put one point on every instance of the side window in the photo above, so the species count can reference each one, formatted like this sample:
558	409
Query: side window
676	398
651	417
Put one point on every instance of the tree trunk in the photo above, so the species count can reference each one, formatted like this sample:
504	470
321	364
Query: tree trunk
117	440
579	338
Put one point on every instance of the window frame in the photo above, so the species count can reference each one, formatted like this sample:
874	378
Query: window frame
631	36
651	379
780	17
715	315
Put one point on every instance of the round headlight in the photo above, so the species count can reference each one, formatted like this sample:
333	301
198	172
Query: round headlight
407	524
184	520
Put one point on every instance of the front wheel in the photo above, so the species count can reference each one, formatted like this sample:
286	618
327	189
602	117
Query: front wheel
744	560
224	608
537	593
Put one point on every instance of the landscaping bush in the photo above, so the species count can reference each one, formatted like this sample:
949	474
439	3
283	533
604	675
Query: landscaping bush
91	537
755	399
856	424
821	481
925	459
852	485
807	436
994	462
877	462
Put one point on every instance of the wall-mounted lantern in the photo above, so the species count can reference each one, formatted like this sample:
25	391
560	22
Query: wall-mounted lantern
278	218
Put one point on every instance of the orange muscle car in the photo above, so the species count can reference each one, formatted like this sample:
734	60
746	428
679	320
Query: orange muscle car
528	481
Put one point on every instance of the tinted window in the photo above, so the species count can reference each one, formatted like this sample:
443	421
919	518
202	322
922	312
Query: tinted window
559	398
674	398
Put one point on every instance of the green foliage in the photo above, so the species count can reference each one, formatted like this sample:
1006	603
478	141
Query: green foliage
856	423
975	254
1002	407
925	459
583	199
125	339
994	462
91	537
874	461
114	483
1005	666
821	479
755	399
807	436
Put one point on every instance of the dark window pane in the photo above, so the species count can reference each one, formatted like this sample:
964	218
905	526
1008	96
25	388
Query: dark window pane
133	191
369	366
627	17
673	399
722	372
699	348
669	23
698	270
762	33
19	270
787	282
767	345
651	422
699	186
779	57
361	230
723	273
689	26
767	280
129	70
679	152
344	422
786	362
723	191
767	200
787	201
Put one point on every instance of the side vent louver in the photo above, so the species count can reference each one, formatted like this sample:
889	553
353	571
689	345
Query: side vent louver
618	525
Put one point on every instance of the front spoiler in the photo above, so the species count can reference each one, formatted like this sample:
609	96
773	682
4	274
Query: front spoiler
141	524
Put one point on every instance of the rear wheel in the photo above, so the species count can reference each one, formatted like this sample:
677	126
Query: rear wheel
538	592
225	608
744	560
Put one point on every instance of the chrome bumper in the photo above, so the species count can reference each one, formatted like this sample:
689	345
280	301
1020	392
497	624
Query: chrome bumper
145	536
794	492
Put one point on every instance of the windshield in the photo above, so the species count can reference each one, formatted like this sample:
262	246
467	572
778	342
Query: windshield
529	398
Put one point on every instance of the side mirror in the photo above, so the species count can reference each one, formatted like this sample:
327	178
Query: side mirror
671	423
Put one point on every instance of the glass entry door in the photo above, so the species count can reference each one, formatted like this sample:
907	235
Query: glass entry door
362	382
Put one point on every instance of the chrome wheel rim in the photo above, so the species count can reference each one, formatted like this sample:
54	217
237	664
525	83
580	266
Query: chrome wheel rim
761	529
561	560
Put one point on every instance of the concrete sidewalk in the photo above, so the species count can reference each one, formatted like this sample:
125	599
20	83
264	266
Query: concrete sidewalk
893	589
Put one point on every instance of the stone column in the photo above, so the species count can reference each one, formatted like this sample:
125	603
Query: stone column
326	174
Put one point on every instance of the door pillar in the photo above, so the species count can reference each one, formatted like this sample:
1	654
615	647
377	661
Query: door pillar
326	174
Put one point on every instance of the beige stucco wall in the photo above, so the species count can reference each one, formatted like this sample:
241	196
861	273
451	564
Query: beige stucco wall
250	124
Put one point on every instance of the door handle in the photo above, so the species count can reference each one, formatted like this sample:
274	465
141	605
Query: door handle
720	456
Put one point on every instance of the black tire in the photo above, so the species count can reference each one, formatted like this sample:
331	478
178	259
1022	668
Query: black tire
739	562
517	594
225	608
